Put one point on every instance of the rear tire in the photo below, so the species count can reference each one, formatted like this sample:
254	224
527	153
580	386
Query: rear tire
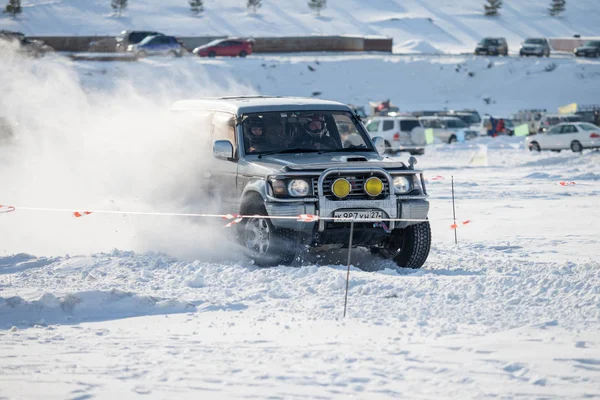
243	54
452	139
408	247
576	147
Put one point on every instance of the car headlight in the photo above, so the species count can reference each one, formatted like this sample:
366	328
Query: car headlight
401	184
130	47
298	188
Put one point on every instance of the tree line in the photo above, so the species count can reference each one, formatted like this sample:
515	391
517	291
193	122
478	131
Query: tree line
491	7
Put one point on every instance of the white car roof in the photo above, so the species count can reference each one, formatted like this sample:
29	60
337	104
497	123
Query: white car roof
239	105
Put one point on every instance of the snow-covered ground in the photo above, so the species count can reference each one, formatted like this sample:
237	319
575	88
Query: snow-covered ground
121	305
427	26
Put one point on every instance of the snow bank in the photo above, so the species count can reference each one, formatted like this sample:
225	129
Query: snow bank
92	305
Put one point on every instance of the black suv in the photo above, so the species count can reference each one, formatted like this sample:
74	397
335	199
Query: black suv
133	37
589	49
492	47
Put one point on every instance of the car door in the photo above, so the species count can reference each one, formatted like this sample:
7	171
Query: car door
222	178
568	133
549	139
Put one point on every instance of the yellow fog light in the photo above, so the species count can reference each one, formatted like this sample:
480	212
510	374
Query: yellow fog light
373	186
341	188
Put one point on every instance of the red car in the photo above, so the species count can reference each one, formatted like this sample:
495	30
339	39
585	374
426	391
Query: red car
225	47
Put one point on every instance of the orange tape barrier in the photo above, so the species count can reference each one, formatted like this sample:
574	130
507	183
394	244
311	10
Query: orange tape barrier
78	214
454	226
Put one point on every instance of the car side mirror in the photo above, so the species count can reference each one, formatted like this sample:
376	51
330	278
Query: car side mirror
223	150
379	143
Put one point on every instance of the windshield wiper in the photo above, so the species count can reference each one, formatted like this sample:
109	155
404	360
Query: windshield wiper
283	151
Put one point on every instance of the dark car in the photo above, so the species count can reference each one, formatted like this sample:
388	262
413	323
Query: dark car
30	47
225	47
133	37
589	49
492	46
535	47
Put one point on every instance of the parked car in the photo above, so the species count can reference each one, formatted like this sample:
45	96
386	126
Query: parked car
469	116
6	130
574	136
26	46
400	133
549	120
493	46
446	128
225	47
531	117
157	45
277	157
589	49
127	38
535	47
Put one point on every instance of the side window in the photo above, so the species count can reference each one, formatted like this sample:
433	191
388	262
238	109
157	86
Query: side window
555	130
373	126
388	125
223	127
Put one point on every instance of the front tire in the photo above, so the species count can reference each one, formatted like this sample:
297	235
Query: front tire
266	244
408	247
534	146
212	54
576	147
452	139
141	54
243	54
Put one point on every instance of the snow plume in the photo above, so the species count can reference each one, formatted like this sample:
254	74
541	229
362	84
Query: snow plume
111	144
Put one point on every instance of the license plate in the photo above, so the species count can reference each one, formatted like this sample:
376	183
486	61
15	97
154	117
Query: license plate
358	215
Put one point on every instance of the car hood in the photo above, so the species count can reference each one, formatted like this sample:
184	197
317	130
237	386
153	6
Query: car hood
321	162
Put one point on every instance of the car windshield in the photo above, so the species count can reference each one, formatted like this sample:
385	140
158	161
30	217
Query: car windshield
214	42
572	118
589	127
534	41
593	43
303	131
508	123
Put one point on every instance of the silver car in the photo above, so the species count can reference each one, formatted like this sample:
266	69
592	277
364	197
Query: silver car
301	170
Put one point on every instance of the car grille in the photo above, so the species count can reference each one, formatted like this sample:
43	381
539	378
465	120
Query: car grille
357	181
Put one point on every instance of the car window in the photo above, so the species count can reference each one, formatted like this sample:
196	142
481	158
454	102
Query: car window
568	129
373	126
408	125
555	130
388	125
223	127
589	127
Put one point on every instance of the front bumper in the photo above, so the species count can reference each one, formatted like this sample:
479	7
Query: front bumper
406	207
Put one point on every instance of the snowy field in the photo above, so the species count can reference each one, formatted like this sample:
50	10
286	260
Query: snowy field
109	306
